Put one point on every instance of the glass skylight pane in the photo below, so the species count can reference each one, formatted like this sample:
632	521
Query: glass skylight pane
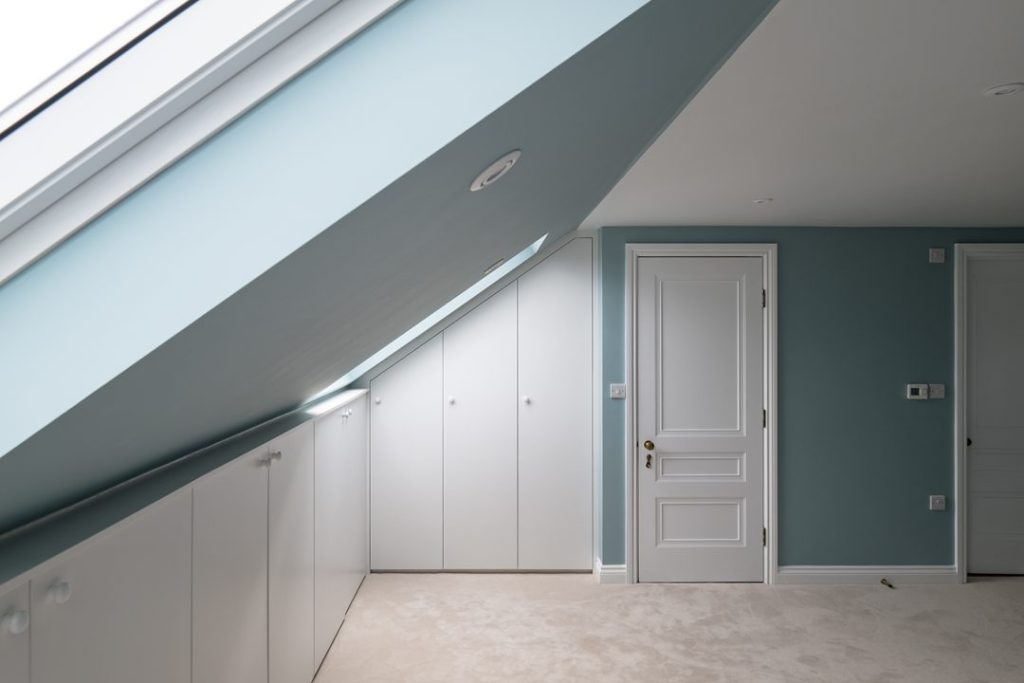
437	316
46	44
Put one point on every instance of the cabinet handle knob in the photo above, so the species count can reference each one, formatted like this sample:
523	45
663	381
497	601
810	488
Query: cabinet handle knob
649	445
59	592
15	622
451	400
276	455
527	400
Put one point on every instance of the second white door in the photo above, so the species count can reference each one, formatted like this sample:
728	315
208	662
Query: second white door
699	393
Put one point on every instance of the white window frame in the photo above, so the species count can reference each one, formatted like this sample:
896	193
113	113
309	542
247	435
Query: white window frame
103	157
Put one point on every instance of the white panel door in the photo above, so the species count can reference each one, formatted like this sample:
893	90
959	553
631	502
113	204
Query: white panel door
555	409
119	609
290	565
341	524
15	623
406	463
480	494
699	392
995	418
229	573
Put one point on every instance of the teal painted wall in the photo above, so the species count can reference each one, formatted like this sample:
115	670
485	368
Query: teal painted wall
861	313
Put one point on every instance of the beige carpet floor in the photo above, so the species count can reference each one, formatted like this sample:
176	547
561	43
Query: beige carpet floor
406	628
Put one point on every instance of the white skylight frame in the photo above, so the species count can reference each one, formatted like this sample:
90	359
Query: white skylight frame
100	44
492	276
144	91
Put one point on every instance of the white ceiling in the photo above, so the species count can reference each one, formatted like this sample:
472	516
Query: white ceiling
847	112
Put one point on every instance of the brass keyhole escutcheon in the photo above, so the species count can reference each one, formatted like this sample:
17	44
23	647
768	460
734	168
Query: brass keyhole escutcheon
649	445
648	464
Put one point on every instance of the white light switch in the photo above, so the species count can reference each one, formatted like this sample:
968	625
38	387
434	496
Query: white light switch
936	502
917	392
616	391
936	255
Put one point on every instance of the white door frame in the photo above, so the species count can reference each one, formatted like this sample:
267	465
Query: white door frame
767	253
964	254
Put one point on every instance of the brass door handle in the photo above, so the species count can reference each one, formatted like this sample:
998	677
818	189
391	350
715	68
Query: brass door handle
649	445
648	464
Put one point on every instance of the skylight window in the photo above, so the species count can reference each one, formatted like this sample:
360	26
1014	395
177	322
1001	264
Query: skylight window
47	47
492	276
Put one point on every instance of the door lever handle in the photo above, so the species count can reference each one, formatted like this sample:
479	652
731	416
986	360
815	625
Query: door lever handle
648	463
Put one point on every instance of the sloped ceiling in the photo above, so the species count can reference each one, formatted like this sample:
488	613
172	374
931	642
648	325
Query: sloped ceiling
382	268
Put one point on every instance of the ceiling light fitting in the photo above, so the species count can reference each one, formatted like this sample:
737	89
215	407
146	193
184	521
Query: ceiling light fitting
495	171
1004	89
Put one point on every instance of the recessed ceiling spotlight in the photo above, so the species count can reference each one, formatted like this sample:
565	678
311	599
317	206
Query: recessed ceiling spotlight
764	200
495	171
1004	89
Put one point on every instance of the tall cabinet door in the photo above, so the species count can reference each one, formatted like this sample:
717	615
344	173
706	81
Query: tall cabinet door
229	573
290	566
555	409
118	610
480	437
14	635
405	462
341	522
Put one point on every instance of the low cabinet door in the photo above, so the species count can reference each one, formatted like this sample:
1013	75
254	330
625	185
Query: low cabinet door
406	471
340	532
14	635
290	566
119	609
229	561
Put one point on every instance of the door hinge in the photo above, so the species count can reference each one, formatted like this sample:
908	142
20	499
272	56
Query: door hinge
764	536
764	298
764	419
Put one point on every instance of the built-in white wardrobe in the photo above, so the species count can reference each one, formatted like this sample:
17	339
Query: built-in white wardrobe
481	439
244	576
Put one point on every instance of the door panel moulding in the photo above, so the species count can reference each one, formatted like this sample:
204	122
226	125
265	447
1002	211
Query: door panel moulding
768	254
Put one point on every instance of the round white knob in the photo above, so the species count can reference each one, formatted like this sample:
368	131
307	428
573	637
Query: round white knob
276	455
377	401
451	400
15	622
527	400
59	592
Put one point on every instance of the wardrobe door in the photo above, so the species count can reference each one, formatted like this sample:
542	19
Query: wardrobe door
480	437
14	635
405	462
341	531
290	566
229	573
555	408
118	609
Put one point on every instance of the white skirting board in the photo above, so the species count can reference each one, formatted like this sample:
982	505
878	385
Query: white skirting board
609	573
859	574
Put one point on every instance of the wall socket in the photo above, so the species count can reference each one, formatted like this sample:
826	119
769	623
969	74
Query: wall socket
936	502
936	255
